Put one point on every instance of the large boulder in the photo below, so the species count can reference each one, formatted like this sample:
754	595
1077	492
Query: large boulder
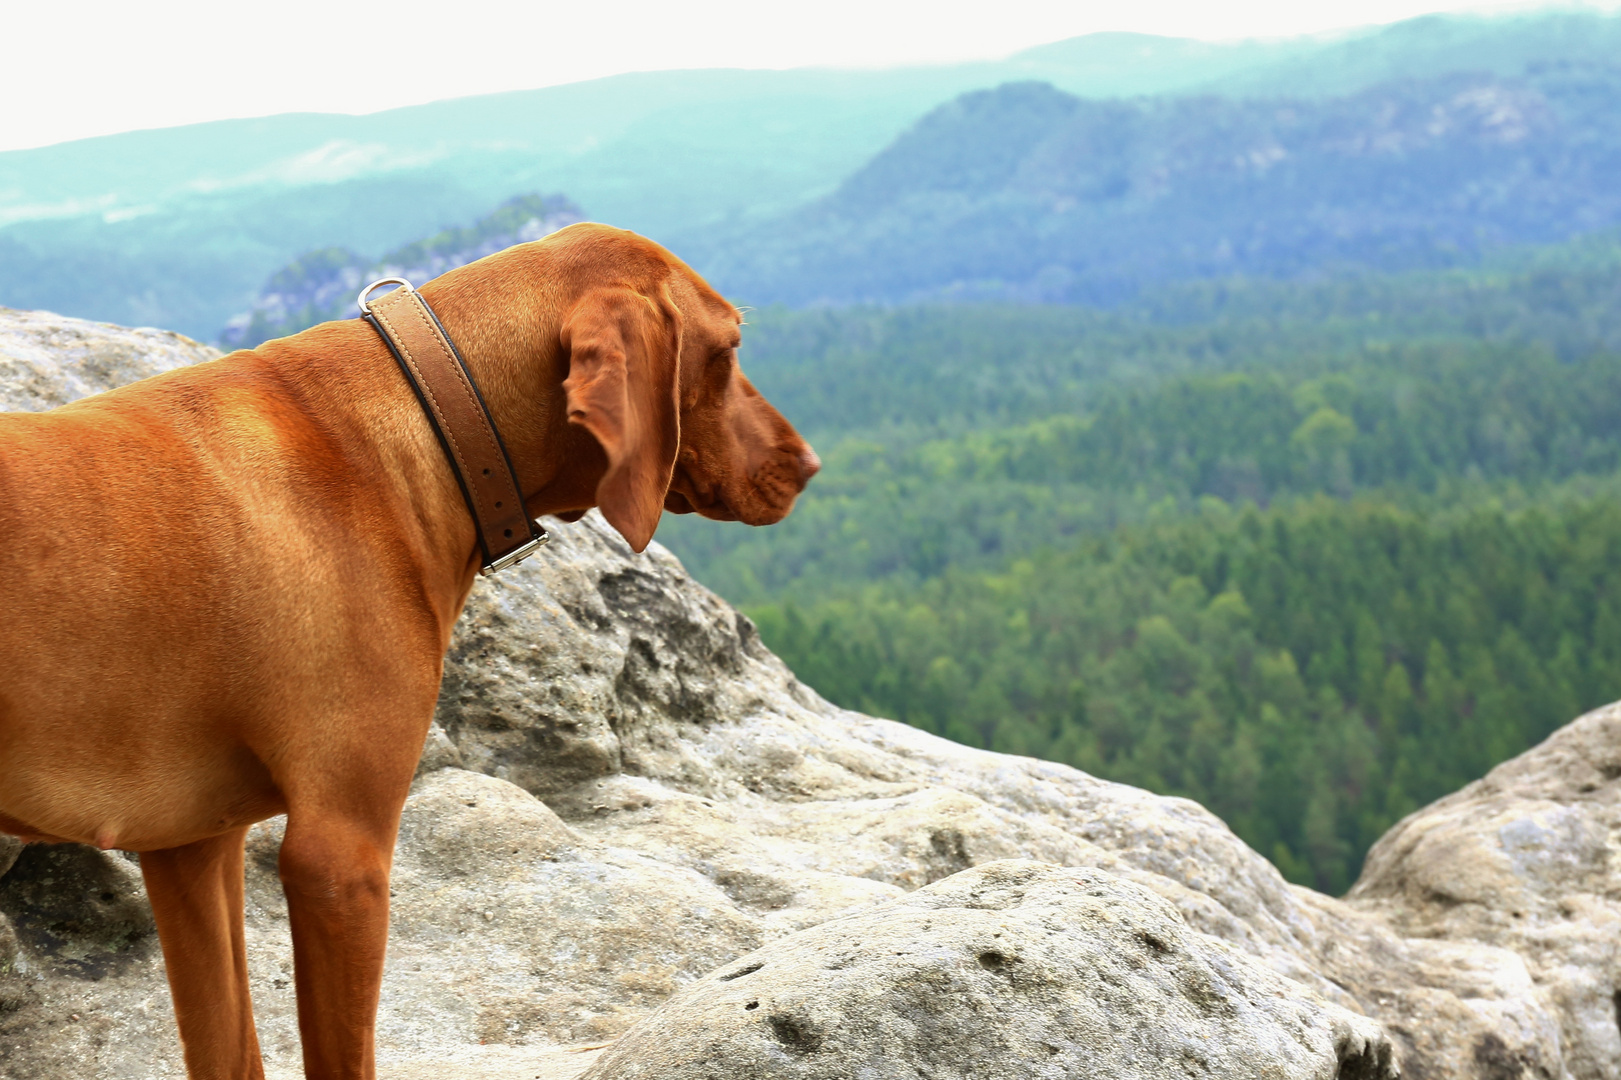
625	792
1010	969
1527	860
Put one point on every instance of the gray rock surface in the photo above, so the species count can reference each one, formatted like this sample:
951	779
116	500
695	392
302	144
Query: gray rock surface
625	792
48	360
9	850
1012	968
1528	860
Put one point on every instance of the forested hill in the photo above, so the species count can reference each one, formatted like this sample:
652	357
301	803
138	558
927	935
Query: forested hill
1028	193
1313	554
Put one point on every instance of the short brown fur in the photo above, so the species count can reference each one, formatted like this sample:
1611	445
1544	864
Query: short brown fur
228	591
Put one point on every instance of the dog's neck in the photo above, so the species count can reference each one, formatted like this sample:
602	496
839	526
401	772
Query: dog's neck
348	383
508	334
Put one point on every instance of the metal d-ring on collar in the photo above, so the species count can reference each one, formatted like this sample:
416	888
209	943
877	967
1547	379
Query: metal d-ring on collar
455	409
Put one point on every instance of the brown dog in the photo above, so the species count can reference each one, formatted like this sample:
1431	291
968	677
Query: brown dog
226	592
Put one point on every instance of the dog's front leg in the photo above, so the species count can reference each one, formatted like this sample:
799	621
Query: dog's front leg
335	873
196	894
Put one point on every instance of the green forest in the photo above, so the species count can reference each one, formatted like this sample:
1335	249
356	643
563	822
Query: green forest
1311	554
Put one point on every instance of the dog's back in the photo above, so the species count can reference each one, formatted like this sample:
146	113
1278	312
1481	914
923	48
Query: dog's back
161	558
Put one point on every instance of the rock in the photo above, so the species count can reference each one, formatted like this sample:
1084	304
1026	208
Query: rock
1526	860
625	792
321	285
71	917
48	360
13	990
1453	1009
79	910
578	670
1011	969
589	937
10	848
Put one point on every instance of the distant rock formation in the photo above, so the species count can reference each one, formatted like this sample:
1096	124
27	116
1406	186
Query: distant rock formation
321	285
1025	193
627	803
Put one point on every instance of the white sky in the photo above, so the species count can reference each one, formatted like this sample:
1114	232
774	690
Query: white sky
90	67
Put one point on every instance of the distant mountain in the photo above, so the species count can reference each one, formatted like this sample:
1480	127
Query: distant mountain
322	285
1425	47
181	227
1025	192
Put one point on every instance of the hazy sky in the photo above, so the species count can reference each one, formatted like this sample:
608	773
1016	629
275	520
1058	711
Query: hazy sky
90	67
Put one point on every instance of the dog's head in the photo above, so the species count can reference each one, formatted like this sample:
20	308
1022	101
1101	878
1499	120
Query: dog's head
653	376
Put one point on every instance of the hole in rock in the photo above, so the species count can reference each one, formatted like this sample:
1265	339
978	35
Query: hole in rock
1494	1059
1154	942
752	1005
794	1033
738	974
992	961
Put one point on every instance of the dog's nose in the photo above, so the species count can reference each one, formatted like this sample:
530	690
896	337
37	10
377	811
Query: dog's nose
809	465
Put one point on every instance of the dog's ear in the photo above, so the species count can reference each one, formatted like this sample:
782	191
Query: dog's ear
623	387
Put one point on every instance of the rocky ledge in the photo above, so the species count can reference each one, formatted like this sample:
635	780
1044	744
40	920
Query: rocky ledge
640	847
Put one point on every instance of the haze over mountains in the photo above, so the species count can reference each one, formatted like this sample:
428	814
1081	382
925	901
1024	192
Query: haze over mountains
183	227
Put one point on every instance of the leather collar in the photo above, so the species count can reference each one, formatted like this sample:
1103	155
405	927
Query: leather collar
448	395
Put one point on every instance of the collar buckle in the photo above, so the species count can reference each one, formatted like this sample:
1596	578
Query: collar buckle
520	553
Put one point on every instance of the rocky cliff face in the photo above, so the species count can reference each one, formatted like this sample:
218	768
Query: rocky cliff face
633	824
321	285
